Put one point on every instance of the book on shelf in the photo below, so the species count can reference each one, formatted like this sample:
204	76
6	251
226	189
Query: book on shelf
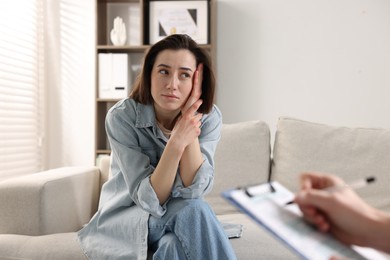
114	78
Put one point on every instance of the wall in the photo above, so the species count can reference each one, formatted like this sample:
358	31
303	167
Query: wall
326	61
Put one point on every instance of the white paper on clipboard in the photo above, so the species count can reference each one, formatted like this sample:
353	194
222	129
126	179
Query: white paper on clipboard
286	223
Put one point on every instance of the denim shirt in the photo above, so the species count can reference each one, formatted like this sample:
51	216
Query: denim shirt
119	229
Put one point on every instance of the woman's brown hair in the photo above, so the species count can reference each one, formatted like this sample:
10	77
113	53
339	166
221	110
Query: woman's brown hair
142	88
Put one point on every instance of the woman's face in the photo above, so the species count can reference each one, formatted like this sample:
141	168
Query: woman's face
172	79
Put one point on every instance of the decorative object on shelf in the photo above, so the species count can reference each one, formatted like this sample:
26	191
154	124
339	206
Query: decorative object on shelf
183	17
118	32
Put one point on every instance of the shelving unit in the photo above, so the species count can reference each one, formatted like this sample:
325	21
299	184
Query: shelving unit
106	11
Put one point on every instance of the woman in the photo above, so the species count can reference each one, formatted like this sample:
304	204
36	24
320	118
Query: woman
163	139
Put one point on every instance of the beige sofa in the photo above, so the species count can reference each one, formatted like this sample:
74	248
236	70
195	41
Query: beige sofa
40	213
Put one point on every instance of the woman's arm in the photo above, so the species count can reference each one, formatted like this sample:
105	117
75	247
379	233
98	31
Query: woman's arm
164	175
190	162
203	175
133	160
192	157
185	132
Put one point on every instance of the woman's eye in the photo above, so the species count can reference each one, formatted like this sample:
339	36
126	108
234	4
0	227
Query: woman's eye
185	75
164	72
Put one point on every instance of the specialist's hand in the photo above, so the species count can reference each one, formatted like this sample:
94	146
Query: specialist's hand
341	211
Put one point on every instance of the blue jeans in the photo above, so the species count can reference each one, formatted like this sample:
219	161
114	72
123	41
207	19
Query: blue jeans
188	230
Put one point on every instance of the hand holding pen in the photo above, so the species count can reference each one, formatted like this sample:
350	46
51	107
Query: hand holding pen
333	206
333	188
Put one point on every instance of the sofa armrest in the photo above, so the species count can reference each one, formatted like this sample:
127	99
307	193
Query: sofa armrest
104	164
59	200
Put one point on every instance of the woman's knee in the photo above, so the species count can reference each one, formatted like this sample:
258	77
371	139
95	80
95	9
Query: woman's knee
169	247
169	240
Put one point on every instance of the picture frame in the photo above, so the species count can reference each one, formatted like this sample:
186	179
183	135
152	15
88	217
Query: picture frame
181	17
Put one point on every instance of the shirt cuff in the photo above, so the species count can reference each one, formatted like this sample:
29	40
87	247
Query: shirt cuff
200	186
148	200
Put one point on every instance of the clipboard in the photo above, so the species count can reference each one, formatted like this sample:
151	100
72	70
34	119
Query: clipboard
265	204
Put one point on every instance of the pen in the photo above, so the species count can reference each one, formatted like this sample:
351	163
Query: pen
354	185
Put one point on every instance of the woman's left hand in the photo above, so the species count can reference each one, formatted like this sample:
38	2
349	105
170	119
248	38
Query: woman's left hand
196	89
187	127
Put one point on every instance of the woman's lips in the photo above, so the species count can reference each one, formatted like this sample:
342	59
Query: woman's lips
170	96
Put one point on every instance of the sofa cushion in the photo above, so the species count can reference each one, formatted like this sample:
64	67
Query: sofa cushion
242	158
351	153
